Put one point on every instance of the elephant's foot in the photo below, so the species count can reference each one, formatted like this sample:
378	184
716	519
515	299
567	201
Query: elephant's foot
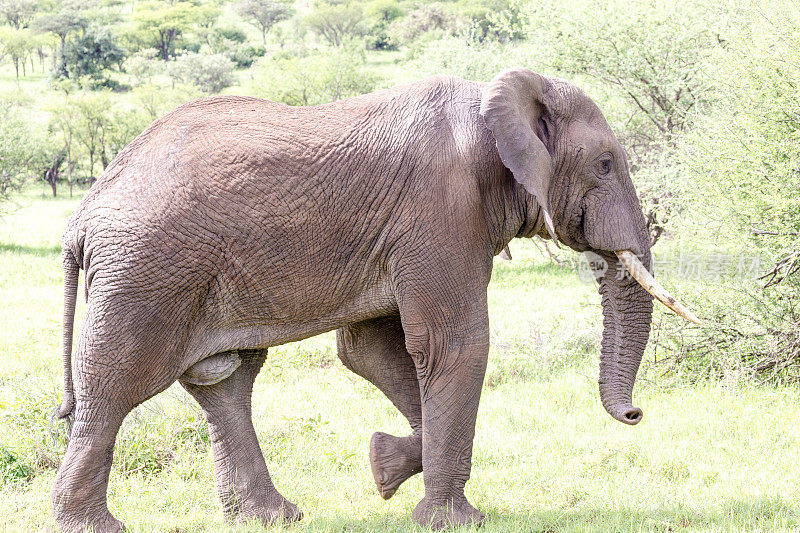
394	460
278	510
284	513
453	512
99	522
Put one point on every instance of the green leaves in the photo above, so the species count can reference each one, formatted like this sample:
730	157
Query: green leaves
21	152
314	79
158	23
92	55
210	73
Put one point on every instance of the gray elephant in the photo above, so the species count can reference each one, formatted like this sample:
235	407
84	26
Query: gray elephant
234	224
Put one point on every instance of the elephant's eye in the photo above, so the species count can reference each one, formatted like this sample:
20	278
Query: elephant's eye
604	166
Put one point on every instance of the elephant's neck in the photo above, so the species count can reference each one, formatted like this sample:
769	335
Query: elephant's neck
532	223
511	212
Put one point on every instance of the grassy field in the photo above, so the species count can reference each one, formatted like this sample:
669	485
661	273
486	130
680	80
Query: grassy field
709	457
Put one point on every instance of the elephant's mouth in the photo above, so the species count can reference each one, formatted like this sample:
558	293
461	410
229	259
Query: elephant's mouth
575	236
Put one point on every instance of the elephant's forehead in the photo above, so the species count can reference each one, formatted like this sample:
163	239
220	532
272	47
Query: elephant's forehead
568	100
590	136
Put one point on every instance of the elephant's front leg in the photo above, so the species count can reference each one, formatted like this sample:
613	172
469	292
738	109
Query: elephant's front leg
243	481
450	348
376	350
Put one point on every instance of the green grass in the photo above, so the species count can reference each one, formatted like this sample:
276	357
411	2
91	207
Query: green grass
707	457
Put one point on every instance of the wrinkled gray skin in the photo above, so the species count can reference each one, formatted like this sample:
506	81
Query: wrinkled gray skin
234	224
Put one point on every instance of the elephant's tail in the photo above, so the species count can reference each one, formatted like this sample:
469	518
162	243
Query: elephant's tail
71	271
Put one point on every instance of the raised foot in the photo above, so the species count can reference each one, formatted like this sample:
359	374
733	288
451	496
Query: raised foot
394	460
454	512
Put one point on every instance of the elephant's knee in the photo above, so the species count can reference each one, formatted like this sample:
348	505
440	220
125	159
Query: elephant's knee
346	346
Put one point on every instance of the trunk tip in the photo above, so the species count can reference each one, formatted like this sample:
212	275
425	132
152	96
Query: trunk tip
632	416
627	414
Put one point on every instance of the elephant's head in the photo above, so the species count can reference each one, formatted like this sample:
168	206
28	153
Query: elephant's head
559	147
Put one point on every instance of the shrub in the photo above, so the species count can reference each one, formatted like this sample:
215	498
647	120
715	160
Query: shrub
467	58
744	167
428	18
314	79
143	65
210	73
337	23
22	151
92	56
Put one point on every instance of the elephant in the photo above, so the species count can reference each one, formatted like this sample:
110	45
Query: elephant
234	224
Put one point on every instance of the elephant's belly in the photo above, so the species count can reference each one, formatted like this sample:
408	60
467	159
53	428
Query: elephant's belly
244	322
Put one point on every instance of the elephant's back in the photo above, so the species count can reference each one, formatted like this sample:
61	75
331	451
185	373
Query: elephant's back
228	171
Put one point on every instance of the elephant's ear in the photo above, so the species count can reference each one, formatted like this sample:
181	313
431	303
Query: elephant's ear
512	105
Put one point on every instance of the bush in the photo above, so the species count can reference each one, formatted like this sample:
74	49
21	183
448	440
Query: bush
649	66
466	58
314	79
91	56
428	18
743	167
143	65
245	55
210	73
336	23
22	151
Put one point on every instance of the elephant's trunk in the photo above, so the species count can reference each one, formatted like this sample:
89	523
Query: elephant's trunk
627	309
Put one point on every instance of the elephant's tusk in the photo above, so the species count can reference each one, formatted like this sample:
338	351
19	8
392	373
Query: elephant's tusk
646	280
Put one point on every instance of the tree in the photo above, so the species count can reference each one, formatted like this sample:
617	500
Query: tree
92	114
40	43
210	73
124	126
426	18
64	122
654	59
156	101
264	13
17	12
18	44
61	24
92	55
21	151
143	65
315	79
52	170
335	23
653	55
381	14
158	23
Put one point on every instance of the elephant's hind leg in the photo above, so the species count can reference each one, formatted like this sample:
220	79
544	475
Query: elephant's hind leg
243	481
105	392
376	351
79	499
